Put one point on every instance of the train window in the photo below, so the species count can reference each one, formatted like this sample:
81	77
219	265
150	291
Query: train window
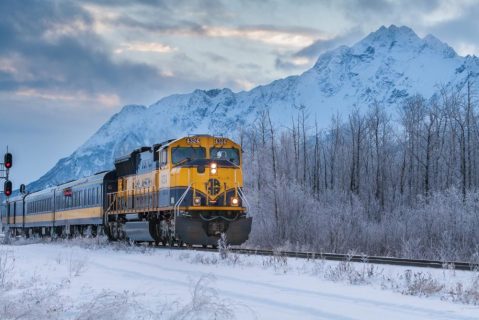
163	157
230	154
180	154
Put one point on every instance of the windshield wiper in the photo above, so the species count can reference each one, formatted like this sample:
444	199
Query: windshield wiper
185	160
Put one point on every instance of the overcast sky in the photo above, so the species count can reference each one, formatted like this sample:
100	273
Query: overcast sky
67	66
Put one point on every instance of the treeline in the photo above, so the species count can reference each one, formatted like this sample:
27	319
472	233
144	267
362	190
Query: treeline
397	182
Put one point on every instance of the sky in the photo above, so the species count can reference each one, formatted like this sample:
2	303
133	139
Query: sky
67	66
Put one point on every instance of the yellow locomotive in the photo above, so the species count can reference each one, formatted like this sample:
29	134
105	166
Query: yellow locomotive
188	190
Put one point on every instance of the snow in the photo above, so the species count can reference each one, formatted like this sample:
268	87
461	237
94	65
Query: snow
162	281
386	66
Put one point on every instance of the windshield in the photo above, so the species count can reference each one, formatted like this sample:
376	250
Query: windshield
190	153
230	154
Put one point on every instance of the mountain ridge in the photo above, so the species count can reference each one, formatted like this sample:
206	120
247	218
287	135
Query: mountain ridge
386	66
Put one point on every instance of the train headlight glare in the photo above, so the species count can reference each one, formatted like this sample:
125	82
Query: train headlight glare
213	165
234	201
213	170
197	201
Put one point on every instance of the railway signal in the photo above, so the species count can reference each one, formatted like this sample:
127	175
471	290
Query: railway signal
8	160
7	188
4	172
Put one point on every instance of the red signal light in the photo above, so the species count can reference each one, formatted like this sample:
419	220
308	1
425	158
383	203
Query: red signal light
7	188
8	160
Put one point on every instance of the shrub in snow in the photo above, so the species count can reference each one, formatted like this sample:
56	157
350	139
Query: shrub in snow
205	303
76	265
110	305
205	259
223	246
277	261
37	301
466	294
420	284
7	261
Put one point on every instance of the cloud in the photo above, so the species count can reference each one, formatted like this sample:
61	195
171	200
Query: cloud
460	32
292	62
306	56
322	45
294	37
50	48
271	36
155	47
106	100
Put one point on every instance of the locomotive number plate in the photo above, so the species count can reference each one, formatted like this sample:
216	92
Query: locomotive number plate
192	140
220	141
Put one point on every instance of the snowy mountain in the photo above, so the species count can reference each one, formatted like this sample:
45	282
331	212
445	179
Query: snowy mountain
386	66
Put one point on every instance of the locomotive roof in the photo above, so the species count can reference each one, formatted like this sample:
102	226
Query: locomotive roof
157	146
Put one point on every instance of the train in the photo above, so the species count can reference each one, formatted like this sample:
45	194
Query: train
186	191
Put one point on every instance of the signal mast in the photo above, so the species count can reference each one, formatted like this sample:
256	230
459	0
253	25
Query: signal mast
4	172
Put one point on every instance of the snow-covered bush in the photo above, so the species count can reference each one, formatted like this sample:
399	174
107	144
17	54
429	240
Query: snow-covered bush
468	294
111	305
276	261
7	261
204	259
205	303
76	265
353	273
223	246
420	284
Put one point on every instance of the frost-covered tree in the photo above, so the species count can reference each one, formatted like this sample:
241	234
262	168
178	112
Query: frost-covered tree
406	187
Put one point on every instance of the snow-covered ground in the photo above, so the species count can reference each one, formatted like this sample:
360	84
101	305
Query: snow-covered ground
82	280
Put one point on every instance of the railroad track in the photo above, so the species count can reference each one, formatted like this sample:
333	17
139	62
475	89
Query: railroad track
456	265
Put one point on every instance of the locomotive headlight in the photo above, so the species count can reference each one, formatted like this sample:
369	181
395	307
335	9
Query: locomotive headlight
234	201
213	168
197	201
